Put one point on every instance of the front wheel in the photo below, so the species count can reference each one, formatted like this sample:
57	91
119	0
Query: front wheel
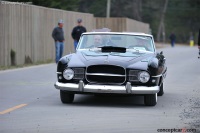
66	97
150	99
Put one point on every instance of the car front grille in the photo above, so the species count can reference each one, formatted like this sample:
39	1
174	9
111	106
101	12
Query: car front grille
109	74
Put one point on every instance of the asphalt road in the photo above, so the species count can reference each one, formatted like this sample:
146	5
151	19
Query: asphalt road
29	103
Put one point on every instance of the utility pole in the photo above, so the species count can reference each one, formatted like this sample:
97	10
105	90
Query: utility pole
108	9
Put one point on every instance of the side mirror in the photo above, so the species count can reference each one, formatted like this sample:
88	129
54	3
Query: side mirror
161	57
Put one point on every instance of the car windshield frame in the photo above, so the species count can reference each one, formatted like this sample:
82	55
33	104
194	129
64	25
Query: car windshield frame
131	42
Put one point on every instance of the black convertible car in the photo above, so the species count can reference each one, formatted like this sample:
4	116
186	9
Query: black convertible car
113	63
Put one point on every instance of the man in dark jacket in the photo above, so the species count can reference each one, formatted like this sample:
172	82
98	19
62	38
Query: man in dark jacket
58	36
77	31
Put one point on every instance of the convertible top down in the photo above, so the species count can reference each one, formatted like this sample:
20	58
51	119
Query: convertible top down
113	63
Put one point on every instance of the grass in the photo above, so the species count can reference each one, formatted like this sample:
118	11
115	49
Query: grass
25	65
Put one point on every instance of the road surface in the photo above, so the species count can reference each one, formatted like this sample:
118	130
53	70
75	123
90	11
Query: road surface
29	103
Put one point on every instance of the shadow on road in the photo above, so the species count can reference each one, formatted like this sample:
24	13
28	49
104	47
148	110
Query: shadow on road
108	101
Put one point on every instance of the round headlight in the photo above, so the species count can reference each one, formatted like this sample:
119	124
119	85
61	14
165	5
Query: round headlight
143	77
68	74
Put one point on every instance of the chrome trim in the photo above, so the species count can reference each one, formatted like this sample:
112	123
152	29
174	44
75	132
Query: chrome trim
105	74
59	72
120	89
81	85
157	76
128	87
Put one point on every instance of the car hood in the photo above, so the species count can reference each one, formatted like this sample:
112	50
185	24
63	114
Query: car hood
127	59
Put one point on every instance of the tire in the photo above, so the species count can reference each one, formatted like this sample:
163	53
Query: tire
161	92
150	99
66	97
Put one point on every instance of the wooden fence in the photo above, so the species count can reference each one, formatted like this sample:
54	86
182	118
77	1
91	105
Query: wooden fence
122	25
25	31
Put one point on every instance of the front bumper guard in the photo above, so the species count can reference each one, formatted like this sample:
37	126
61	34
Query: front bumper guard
118	89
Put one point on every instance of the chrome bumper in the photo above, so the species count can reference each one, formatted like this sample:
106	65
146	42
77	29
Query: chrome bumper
118	89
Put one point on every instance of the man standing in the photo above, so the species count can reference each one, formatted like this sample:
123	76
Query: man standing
58	36
77	31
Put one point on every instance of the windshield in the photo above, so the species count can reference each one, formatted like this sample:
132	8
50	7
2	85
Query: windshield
136	42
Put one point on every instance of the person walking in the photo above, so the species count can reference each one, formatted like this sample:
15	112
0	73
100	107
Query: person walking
58	36
172	38
77	31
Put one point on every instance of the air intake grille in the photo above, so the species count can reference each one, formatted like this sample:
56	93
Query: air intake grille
79	73
106	74
133	75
